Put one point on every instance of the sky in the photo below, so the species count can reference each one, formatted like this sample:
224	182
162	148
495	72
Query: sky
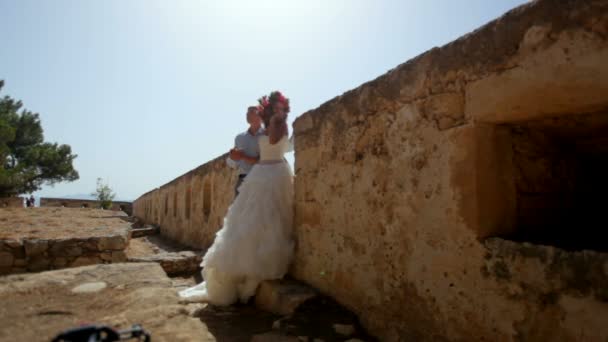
146	90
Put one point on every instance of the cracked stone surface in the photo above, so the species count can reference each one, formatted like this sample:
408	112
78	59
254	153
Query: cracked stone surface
36	307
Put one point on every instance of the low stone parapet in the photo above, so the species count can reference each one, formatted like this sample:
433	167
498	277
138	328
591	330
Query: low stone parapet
11	202
38	239
18	256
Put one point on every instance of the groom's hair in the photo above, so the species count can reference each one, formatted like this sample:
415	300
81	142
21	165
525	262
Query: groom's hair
250	108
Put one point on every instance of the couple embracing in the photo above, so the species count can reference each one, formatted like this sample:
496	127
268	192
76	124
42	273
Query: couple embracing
255	243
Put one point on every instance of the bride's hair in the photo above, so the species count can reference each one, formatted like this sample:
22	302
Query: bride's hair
267	103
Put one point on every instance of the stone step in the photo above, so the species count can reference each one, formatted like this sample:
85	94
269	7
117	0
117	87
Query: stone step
174	263
283	296
145	231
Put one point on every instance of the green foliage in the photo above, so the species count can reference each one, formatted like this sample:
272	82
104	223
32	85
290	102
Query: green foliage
26	161
104	194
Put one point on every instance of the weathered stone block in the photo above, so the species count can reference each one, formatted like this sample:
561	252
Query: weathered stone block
7	245
35	247
542	84
119	256
447	109
19	262
15	247
16	270
309	213
174	263
85	260
38	263
6	259
145	231
65	248
115	242
13	243
60	262
106	256
90	245
303	124
18	251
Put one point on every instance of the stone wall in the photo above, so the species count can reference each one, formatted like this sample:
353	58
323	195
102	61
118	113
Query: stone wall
82	203
190	209
405	185
424	197
11	202
38	239
35	255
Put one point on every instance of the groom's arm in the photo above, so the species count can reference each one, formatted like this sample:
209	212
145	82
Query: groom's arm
237	154
230	160
249	160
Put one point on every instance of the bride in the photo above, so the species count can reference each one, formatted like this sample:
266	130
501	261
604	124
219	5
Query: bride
255	243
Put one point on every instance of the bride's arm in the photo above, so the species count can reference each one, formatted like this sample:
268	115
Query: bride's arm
277	129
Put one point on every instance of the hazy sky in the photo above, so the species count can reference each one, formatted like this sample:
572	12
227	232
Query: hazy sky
146	90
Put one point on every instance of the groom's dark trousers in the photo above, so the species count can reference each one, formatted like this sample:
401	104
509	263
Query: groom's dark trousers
239	181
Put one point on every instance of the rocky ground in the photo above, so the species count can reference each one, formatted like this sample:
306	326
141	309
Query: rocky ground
36	306
281	311
290	317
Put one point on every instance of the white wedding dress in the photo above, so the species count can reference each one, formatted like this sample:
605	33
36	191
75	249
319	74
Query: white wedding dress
256	242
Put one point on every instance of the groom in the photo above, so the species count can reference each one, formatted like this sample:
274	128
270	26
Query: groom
246	151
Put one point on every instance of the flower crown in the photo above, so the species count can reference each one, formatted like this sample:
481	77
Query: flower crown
267	102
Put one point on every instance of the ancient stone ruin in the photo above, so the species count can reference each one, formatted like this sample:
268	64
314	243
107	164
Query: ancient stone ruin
42	239
459	196
133	278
